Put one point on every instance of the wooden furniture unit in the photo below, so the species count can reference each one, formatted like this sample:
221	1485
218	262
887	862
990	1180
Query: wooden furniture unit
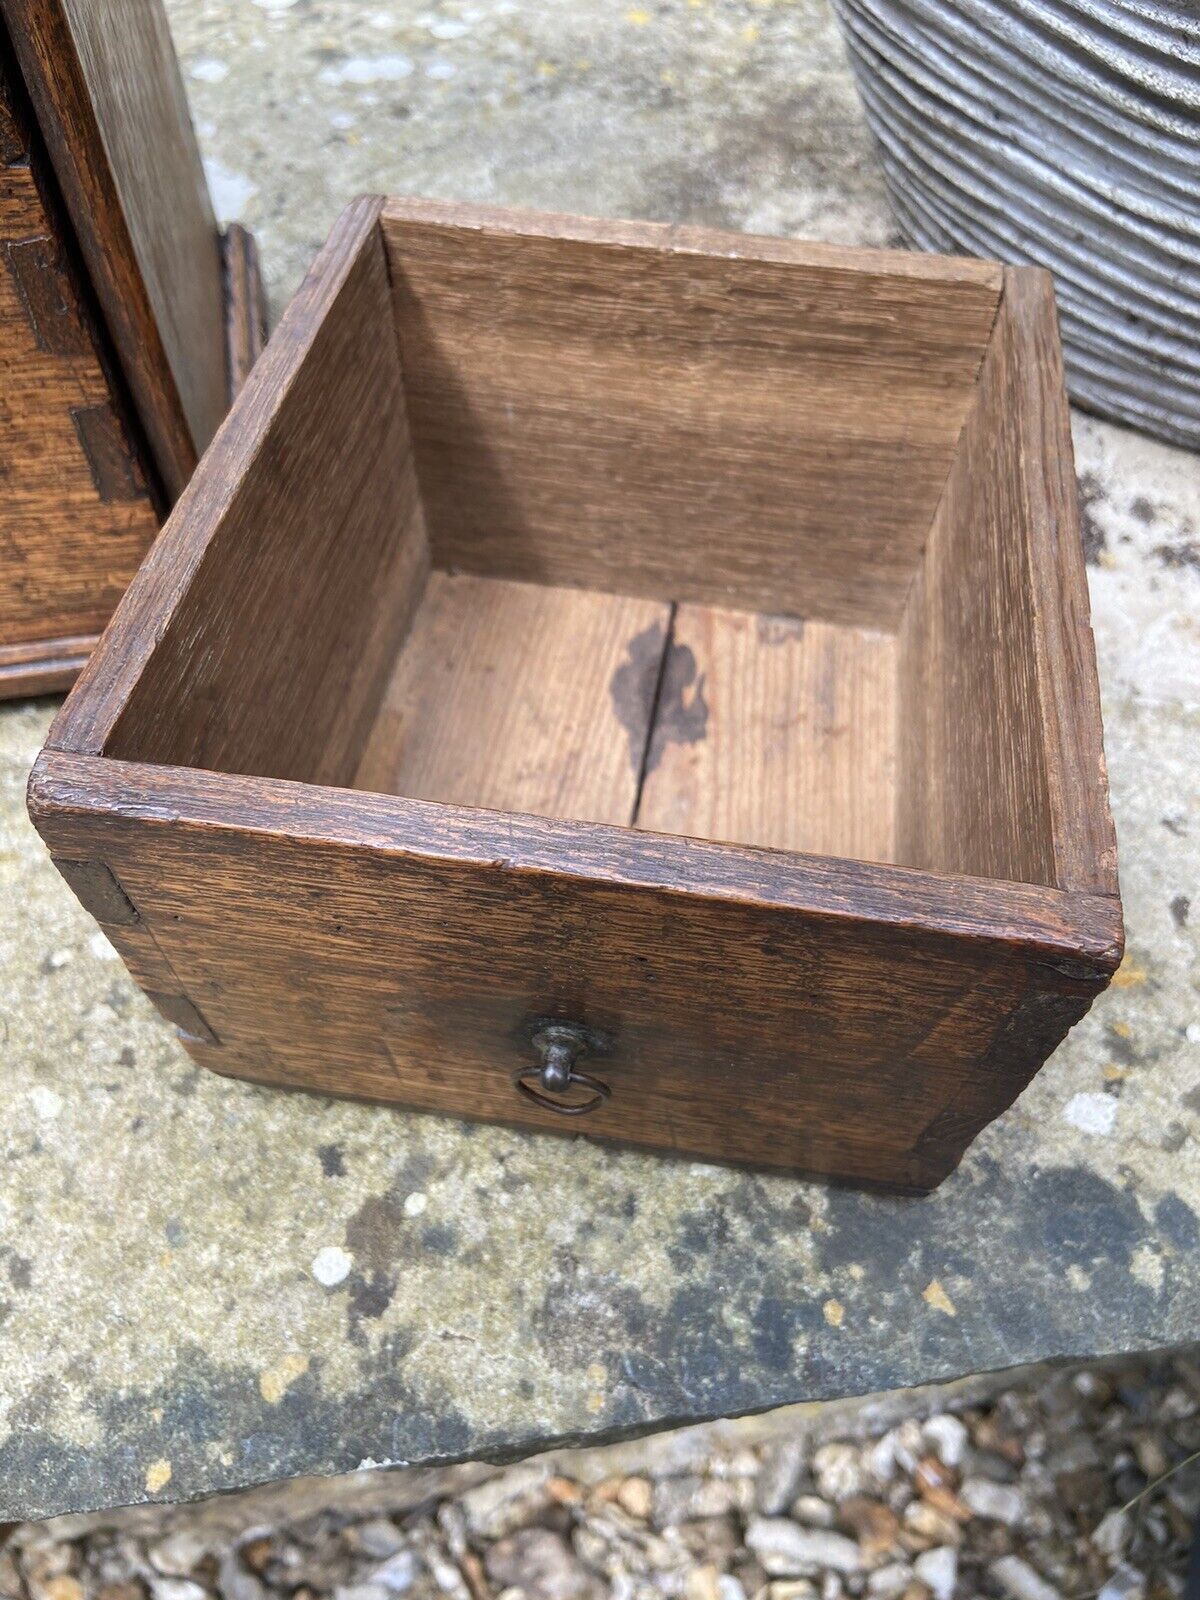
622	651
127	320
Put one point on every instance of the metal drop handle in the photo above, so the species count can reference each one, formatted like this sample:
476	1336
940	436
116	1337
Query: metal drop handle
560	1044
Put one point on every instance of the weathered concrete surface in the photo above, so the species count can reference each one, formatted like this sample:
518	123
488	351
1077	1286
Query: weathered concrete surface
205	1284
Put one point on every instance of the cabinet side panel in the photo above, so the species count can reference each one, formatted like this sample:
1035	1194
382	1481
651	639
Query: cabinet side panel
77	512
111	104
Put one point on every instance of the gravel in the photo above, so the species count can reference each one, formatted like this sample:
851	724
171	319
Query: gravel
1069	1486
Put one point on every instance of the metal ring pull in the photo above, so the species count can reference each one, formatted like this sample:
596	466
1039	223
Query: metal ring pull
560	1044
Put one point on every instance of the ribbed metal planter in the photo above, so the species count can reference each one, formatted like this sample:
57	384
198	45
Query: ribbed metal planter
1066	133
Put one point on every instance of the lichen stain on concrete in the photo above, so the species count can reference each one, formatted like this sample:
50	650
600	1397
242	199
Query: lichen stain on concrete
275	1381
1091	495
935	1296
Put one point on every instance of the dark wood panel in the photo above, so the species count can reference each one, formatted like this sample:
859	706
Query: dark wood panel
111	107
78	514
680	414
245	306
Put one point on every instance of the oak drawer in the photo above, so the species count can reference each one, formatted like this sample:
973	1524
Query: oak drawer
614	678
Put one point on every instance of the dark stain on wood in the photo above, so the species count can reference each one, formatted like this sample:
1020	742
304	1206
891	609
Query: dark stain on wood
14	149
37	274
98	888
634	686
112	465
177	1008
775	631
681	716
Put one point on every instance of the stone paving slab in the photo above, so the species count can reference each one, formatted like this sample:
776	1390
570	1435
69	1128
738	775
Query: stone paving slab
204	1284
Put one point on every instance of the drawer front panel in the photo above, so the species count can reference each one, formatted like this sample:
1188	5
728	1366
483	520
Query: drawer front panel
733	1031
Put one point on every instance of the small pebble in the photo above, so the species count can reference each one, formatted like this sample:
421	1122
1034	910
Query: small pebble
938	1571
786	1550
399	1572
946	1436
701	1583
1112	1535
689	1499
378	1537
779	1476
1019	1580
889	1582
928	1526
160	1589
999	1502
636	1495
1126	1583
875	1525
839	1471
179	1554
331	1265
812	1511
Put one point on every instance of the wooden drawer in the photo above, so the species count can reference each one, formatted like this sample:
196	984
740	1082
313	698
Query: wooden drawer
622	671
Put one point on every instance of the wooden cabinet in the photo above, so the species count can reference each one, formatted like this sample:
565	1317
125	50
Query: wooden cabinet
621	679
126	318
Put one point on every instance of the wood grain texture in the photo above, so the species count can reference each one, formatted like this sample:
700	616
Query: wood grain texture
289	567
245	306
1085	843
110	103
850	1020
516	697
45	666
1001	762
77	514
773	731
99	890
674	413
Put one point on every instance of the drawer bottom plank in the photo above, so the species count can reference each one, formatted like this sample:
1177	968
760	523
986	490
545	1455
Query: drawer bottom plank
518	697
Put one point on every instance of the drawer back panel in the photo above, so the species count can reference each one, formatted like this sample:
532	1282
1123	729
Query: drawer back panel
681	415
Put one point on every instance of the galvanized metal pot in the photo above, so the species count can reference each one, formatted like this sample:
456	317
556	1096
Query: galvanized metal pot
1066	133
